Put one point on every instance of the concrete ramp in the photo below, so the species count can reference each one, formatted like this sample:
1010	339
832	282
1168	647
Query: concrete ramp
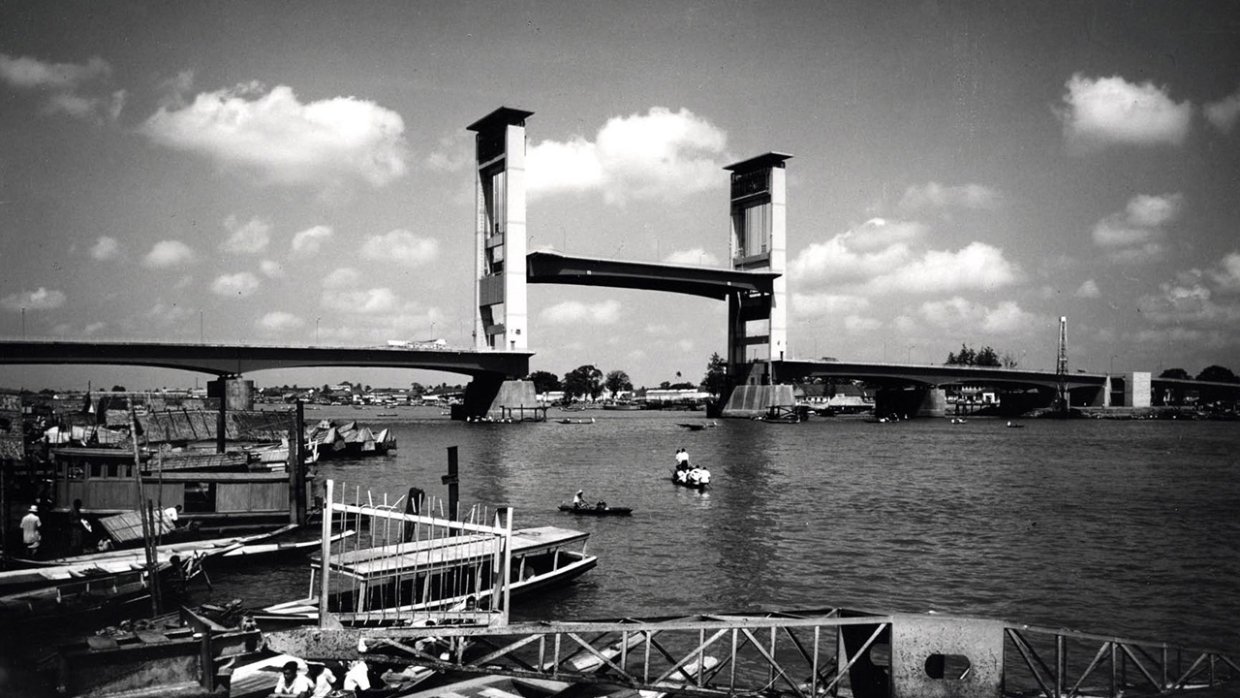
757	400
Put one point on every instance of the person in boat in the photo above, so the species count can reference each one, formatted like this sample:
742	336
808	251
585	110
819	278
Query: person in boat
682	460
323	679
293	682
699	475
32	537
600	504
579	499
79	529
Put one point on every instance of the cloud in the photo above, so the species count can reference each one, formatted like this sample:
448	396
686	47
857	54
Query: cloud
1135	235
576	313
860	253
827	304
105	248
168	314
856	324
250	237
401	247
344	277
283	141
1088	289
367	302
62	85
168	253
1006	318
694	257
1224	113
272	269
310	240
241	284
1227	276
42	299
1187	305
977	266
662	155
455	153
935	195
278	322
1112	111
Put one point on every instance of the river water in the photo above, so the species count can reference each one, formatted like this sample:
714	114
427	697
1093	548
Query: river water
1129	528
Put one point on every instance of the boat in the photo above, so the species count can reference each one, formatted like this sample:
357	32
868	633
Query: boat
348	440
694	478
692	427
390	584
577	421
596	510
1015	425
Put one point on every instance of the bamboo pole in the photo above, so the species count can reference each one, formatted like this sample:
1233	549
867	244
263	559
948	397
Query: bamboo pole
325	549
140	509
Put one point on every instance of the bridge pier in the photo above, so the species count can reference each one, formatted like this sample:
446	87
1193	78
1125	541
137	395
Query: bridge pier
237	393
923	401
496	399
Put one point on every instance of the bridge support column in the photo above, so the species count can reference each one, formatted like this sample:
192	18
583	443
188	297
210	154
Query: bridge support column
748	401
496	399
237	392
921	402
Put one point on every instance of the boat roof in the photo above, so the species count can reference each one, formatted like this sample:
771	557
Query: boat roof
421	555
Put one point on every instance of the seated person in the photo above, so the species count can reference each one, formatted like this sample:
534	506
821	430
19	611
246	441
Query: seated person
292	682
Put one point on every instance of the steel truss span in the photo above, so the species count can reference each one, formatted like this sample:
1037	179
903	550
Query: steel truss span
803	654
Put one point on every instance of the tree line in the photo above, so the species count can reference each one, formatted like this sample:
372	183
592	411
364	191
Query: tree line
590	381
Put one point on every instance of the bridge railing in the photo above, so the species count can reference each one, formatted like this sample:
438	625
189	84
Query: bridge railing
803	654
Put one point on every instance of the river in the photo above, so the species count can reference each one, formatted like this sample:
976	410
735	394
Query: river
1128	528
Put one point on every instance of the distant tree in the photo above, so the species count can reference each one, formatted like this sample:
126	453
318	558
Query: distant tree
582	381
715	381
1009	361
118	389
1217	374
665	385
986	357
544	381
617	381
1177	373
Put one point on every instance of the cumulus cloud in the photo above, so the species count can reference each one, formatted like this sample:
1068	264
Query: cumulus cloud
168	253
364	301
278	322
1135	234
344	277
856	324
105	248
241	284
692	257
977	266
1187	305
1097	113
1224	113
250	237
168	314
274	135
68	88
661	155
1006	318
272	269
1088	289
862	252
401	247
935	195
827	304
1227	276
576	313
454	154
311	240
42	299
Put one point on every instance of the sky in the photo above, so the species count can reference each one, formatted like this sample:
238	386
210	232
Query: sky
300	173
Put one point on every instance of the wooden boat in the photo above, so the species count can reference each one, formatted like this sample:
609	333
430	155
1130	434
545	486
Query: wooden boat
390	584
701	483
596	511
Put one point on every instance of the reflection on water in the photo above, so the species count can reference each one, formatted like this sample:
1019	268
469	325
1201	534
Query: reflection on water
1119	527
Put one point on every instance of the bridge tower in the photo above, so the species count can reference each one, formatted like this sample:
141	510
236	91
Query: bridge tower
758	321
500	315
500	318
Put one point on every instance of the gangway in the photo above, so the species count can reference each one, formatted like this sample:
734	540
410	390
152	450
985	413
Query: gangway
805	654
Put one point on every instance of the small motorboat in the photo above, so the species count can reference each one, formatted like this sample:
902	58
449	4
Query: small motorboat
1014	425
596	510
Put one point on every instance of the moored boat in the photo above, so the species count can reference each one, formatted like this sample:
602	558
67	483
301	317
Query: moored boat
596	510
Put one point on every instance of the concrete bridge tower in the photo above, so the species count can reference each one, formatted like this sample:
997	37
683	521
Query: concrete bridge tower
500	318
758	322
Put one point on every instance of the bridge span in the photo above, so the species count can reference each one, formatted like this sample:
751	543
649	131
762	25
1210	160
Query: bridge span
932	375
238	359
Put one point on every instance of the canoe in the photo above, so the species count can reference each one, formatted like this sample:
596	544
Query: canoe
595	511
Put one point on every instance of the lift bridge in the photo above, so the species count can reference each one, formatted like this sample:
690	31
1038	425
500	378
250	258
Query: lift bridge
801	654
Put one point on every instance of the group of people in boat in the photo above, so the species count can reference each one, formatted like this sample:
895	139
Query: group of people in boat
579	501
688	474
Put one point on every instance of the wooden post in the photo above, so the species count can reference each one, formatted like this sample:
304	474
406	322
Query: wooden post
507	580
221	420
297	468
452	480
140	510
325	549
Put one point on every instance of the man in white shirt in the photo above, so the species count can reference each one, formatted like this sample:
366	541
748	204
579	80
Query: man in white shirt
293	682
30	531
